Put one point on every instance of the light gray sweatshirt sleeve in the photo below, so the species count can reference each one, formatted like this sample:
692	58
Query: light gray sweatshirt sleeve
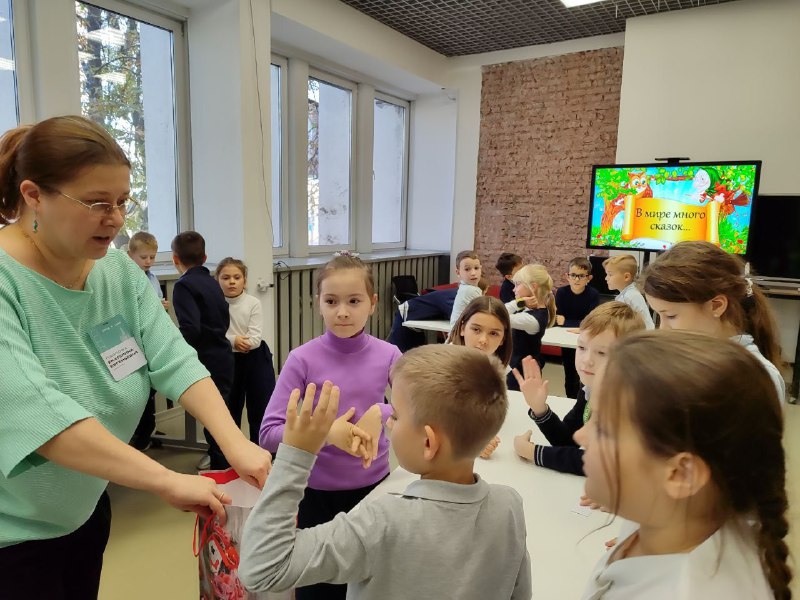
276	556
523	589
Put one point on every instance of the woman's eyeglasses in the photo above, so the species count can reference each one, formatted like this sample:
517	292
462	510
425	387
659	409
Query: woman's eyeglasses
124	207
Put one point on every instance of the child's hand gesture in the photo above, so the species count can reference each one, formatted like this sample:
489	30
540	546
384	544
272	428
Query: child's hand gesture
305	429
560	320
490	447
532	386
165	304
241	343
523	445
348	437
371	422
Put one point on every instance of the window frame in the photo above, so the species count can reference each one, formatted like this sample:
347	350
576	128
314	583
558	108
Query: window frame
404	192
181	109
283	249
326	77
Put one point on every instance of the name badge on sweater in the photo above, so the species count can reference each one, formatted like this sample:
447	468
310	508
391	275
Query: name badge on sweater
117	347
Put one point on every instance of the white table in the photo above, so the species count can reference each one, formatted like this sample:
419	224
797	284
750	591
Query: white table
429	325
553	336
559	336
563	544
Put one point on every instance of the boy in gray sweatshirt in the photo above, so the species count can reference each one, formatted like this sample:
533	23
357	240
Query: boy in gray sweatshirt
449	535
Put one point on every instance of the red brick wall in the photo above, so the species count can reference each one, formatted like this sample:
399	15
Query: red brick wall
544	123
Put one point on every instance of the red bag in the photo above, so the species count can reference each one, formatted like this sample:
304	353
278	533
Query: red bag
218	549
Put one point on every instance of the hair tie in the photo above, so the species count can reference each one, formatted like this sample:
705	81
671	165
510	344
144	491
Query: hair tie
347	253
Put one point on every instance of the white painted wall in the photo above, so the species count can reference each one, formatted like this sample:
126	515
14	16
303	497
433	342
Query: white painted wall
432	172
230	106
715	83
718	83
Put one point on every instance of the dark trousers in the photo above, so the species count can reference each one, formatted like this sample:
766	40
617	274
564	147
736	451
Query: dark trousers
147	424
572	382
218	460
318	507
253	384
64	568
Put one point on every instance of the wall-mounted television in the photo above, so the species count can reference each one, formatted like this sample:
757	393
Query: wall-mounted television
653	206
775	238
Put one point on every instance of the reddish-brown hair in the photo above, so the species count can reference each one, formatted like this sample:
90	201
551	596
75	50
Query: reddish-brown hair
696	272
51	153
727	414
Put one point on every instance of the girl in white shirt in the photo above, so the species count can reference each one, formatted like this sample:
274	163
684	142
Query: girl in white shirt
254	375
699	287
684	441
485	325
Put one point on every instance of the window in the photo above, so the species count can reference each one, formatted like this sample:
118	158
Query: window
9	116
330	134
279	142
127	79
389	171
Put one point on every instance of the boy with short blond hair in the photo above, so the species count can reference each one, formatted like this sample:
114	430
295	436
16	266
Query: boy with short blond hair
598	331
434	540
142	249
621	275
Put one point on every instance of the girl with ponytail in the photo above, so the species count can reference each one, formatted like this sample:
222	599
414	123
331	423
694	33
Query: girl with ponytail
699	287
685	443
532	311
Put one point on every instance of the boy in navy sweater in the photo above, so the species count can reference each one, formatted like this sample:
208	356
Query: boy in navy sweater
508	264
573	303
598	332
203	318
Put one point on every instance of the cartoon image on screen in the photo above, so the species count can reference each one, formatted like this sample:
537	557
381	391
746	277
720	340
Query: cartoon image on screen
652	207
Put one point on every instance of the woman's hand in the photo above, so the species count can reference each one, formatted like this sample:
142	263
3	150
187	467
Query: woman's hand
490	447
532	386
194	493
560	320
251	462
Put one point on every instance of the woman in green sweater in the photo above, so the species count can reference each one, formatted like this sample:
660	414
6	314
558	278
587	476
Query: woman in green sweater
82	339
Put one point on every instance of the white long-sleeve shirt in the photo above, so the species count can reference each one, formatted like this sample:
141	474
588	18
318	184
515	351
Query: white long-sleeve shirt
633	298
245	319
522	319
466	294
724	566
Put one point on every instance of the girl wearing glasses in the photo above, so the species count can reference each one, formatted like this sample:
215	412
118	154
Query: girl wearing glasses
82	340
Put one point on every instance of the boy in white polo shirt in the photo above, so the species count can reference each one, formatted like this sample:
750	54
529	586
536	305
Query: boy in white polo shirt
439	537
620	275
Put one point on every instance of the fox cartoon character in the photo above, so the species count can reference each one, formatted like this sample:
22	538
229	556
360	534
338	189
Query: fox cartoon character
639	187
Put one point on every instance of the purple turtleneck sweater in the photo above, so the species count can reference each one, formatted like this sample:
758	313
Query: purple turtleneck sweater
360	366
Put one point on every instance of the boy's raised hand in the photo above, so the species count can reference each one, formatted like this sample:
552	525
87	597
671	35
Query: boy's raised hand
532	386
307	429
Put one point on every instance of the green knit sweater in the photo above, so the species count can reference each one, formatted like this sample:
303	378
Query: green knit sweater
52	376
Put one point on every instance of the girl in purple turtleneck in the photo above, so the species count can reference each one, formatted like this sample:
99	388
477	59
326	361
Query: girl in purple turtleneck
347	468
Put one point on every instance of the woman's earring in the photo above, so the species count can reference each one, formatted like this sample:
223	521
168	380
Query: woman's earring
35	223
